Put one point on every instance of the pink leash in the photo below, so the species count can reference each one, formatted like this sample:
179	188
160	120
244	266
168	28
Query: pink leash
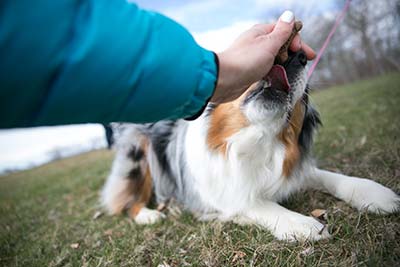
328	39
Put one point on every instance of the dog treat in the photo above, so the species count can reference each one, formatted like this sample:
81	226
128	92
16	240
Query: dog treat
283	52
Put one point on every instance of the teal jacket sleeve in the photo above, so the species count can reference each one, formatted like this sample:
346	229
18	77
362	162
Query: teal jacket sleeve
97	61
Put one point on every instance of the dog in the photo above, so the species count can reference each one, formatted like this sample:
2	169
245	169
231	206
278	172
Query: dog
237	162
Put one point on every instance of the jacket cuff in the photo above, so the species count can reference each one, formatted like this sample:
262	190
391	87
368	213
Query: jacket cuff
206	82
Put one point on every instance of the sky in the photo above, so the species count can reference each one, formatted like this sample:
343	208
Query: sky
214	24
206	15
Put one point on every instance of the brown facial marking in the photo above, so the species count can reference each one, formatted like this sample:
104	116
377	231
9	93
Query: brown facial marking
290	138
226	120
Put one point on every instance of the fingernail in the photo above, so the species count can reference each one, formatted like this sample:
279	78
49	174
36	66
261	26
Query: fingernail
287	16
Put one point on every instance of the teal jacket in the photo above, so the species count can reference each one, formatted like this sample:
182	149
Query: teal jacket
98	61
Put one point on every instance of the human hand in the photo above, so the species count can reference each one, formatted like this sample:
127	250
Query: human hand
252	55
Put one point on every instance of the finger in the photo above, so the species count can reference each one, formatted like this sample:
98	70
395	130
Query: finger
282	30
310	53
265	28
296	43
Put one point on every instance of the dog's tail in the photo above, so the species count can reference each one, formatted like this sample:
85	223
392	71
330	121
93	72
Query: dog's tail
129	185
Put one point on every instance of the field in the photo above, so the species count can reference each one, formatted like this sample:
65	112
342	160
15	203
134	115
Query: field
50	216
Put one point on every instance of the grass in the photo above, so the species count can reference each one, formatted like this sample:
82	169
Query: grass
46	214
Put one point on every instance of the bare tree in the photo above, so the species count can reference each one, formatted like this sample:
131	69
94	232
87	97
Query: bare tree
367	43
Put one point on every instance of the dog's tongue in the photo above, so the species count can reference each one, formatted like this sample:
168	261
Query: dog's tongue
277	78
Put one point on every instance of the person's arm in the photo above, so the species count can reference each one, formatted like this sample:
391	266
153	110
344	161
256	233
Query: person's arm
72	61
66	62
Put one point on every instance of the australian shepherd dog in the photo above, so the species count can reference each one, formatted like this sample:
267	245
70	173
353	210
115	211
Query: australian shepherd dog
237	162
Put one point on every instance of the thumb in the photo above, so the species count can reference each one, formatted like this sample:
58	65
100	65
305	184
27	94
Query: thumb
282	30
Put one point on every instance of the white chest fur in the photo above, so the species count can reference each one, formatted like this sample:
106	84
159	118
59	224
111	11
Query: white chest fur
250	171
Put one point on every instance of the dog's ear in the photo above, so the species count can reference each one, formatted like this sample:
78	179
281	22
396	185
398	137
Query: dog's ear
312	121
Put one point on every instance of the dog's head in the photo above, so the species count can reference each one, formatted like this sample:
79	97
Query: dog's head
273	99
277	105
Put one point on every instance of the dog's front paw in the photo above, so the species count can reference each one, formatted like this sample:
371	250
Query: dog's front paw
148	216
371	196
297	227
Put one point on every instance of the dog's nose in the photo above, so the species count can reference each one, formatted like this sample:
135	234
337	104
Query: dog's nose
301	57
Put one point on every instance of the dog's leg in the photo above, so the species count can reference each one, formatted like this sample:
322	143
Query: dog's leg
129	186
142	192
283	223
362	194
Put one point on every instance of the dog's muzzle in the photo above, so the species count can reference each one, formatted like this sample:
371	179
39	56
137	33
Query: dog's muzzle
278	85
